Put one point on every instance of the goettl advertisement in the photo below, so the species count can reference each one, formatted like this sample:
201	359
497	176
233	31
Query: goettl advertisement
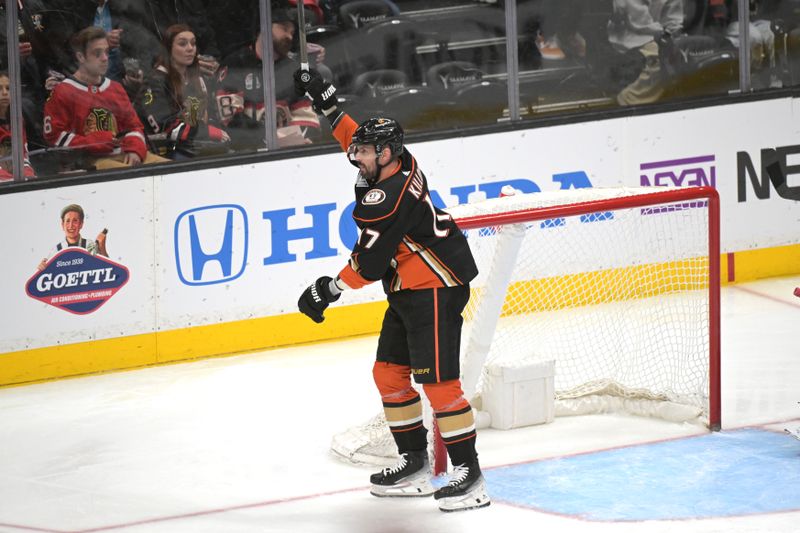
77	276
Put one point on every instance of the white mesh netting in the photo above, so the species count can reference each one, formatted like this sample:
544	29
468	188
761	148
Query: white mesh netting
617	297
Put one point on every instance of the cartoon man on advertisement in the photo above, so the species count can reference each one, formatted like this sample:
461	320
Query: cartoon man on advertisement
72	217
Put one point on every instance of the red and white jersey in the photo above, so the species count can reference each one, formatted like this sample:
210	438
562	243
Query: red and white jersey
6	173
75	110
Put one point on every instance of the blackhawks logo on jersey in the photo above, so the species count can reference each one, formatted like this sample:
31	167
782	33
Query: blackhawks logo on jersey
5	149
192	110
100	119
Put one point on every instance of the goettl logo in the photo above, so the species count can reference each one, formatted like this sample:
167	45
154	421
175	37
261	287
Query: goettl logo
77	281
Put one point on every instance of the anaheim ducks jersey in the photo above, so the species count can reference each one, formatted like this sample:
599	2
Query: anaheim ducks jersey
405	240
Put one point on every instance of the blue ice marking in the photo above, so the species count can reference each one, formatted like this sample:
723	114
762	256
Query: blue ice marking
730	473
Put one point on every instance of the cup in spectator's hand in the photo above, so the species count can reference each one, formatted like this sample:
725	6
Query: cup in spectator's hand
114	37
133	79
208	64
53	78
134	75
317	51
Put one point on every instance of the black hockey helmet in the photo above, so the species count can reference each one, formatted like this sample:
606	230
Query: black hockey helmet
381	132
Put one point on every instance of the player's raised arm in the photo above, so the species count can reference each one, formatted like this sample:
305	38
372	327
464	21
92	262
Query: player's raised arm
323	95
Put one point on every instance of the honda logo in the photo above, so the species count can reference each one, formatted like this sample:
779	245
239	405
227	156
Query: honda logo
211	244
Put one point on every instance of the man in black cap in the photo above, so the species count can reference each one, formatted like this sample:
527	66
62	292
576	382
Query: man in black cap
240	92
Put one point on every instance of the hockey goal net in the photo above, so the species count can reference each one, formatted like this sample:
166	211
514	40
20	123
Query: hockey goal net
618	286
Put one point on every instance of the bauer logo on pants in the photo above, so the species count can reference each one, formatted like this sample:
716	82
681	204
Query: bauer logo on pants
76	281
211	244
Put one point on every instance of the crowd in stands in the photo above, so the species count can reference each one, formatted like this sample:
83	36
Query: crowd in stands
119	83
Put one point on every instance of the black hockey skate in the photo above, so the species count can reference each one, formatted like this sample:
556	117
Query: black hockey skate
410	477
466	490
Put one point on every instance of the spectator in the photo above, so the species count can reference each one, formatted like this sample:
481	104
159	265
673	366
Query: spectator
6	167
131	45
39	28
240	93
158	15
176	101
92	113
762	43
639	25
554	25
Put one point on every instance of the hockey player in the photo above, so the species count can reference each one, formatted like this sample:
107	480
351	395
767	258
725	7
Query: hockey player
92	113
425	264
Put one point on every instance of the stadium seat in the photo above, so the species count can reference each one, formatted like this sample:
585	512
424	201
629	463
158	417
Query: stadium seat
452	73
417	108
391	44
475	99
696	64
359	13
377	83
481	101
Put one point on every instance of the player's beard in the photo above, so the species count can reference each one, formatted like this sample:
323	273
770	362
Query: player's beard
371	177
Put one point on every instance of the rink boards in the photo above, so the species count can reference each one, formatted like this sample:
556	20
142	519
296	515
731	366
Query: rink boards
215	259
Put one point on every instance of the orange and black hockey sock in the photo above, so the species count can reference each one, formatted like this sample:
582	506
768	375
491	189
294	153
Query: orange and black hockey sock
402	406
454	417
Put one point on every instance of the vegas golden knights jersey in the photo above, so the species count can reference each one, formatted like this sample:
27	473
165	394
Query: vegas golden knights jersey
404	240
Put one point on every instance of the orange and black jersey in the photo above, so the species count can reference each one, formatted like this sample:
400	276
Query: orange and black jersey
405	240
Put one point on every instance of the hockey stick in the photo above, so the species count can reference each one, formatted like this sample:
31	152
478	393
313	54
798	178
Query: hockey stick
301	28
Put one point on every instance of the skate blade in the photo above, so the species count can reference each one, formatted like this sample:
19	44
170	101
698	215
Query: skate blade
795	433
476	498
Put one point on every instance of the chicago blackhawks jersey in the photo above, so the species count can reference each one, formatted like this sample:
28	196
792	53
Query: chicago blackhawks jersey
75	111
240	99
183	120
6	167
405	240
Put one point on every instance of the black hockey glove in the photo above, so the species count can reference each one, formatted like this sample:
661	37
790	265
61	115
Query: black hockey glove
321	92
315	299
